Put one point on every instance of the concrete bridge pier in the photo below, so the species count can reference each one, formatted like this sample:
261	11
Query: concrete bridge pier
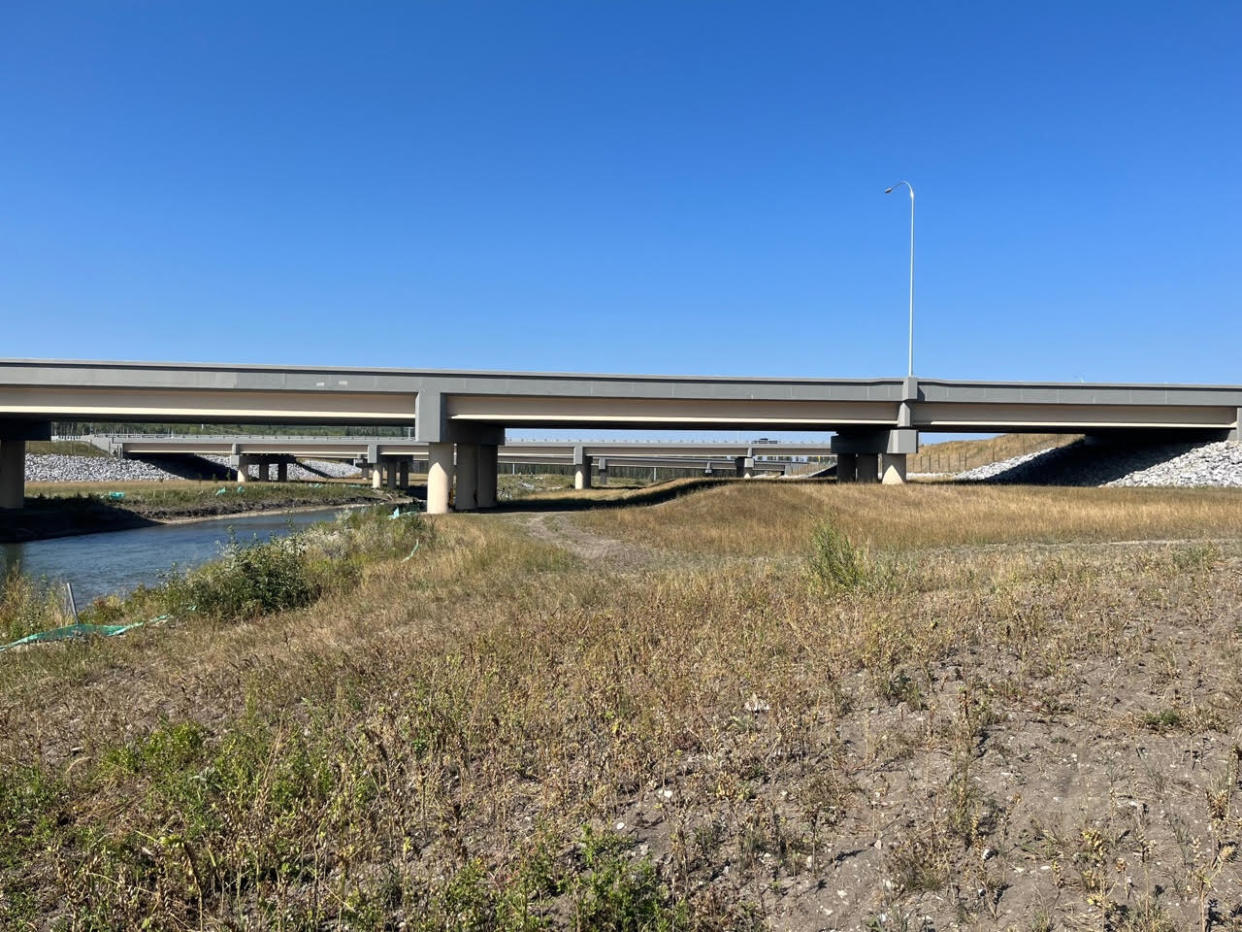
601	472
739	466
13	437
467	495
874	455
12	473
282	469
748	467
893	468
489	464
439	477
403	473
241	463
582	469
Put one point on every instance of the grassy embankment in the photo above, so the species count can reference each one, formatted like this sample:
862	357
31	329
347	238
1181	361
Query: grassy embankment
63	448
955	456
793	704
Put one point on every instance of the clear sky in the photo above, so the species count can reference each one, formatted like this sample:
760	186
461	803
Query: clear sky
689	187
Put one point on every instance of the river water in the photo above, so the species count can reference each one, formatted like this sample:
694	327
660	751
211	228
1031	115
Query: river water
119	561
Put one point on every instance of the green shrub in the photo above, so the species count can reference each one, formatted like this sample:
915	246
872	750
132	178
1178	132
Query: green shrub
619	893
835	563
248	581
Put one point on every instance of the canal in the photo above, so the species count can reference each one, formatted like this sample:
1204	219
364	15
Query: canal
120	561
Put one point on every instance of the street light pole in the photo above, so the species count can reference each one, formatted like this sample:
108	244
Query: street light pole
890	190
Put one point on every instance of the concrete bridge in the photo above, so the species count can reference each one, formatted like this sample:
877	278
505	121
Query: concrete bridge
462	416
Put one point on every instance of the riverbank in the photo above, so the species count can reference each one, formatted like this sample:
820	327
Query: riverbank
67	509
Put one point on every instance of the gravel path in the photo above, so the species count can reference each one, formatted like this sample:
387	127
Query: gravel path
1093	464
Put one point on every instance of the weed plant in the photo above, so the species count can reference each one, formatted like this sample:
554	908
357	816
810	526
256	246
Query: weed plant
27	606
835	564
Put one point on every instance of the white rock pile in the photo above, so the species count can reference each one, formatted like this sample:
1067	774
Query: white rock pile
994	470
333	469
54	467
1218	464
1094	464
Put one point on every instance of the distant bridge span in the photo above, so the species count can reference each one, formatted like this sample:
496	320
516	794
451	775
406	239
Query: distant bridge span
877	421
391	458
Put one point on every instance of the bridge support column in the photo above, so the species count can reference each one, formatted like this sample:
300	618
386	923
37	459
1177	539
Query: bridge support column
582	470
874	455
602	473
739	466
282	470
403	474
377	475
748	467
467	495
489	454
241	463
390	474
439	477
893	468
12	473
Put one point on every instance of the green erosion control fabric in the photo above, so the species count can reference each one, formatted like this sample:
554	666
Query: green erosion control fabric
78	630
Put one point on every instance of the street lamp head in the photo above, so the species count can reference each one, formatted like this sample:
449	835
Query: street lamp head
889	189
893	187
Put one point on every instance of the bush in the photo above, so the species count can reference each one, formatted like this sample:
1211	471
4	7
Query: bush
248	581
835	563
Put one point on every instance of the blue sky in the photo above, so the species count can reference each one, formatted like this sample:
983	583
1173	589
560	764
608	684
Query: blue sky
686	187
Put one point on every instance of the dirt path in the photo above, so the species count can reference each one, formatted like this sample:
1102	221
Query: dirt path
559	528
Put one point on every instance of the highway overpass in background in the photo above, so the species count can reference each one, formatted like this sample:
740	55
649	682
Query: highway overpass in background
390	460
462	416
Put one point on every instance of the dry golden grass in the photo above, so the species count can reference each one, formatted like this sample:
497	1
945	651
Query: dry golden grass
737	518
494	733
